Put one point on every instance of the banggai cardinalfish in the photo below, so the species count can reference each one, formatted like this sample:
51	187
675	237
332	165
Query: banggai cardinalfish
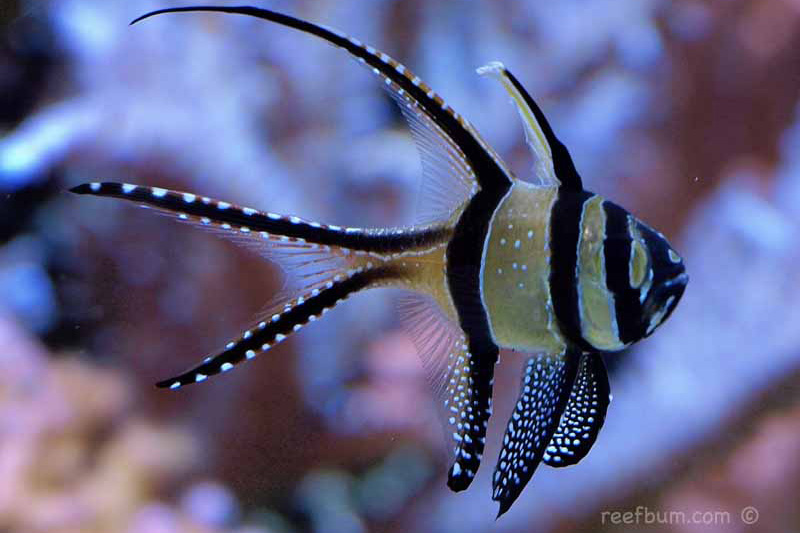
542	267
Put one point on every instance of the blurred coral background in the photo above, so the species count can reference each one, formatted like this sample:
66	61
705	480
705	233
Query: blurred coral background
686	112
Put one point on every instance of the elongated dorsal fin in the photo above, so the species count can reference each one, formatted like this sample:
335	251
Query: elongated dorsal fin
489	170
554	166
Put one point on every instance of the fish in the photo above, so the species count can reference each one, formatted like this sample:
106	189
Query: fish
538	266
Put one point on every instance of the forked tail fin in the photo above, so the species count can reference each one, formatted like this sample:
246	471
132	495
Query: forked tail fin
276	327
326	263
208	212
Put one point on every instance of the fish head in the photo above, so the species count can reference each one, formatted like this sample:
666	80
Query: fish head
665	273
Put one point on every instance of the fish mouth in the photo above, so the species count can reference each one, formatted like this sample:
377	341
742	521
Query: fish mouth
664	299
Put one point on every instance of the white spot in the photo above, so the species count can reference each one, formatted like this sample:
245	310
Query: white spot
175	385
517	244
297	327
200	377
514	266
265	347
275	318
524	267
247	334
127	188
205	220
416	81
249	211
230	345
189	197
456	469
530	234
249	354
274	216
279	337
400	68
158	193
225	367
223	205
511	226
94	186
244	229
295	220
499	270
502	242
226	226
182	216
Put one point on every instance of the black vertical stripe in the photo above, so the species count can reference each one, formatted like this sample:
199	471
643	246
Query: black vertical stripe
617	249
378	241
464	257
565	231
284	325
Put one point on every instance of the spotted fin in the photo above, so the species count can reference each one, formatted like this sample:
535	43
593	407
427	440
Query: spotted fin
460	382
490	171
546	388
553	165
278	326
254	225
584	416
321	274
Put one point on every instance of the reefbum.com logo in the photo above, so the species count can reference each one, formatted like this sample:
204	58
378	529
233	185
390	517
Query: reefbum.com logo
644	515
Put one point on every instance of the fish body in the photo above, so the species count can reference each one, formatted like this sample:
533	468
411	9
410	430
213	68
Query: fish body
543	267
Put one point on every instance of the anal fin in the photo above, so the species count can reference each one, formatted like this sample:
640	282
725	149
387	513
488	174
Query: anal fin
460	382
